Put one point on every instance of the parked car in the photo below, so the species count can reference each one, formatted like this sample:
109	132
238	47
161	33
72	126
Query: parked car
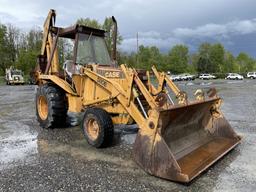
206	76
175	77
251	75
187	77
234	76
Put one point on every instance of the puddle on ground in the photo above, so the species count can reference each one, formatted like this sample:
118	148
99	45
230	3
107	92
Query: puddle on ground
206	83
17	144
126	133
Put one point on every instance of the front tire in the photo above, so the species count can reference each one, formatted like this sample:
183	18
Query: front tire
51	106
97	127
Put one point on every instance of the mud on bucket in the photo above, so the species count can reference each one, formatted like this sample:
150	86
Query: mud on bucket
190	138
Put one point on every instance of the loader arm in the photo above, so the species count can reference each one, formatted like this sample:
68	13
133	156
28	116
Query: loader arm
116	92
162	78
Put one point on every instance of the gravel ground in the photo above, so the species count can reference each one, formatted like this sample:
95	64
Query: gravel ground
34	159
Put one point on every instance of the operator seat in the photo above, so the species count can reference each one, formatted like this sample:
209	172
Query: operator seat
69	68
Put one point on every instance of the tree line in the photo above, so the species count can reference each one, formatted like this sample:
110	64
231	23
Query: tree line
20	49
209	58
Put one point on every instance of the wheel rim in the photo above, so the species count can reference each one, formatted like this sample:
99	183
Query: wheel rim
42	107
92	128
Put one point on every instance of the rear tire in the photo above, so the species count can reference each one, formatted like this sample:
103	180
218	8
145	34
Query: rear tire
51	106
97	127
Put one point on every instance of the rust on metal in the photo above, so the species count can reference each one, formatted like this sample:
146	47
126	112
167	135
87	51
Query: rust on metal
92	128
189	139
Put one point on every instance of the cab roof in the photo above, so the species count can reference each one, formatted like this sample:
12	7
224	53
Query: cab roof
70	32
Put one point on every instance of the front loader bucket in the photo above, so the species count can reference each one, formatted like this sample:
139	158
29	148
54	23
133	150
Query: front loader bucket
188	140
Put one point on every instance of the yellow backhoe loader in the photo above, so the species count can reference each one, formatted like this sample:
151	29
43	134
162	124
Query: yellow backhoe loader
178	138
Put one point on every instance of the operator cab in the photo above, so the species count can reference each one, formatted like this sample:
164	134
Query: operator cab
89	47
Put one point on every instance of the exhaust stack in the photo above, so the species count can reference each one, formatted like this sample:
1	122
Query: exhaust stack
113	55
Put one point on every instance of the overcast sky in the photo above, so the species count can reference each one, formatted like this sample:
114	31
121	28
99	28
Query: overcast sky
162	23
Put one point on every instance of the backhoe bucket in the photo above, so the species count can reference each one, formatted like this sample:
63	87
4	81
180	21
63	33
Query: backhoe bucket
188	140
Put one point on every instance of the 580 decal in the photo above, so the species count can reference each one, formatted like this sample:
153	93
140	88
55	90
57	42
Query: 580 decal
102	82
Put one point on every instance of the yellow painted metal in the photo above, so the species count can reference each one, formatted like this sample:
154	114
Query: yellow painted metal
106	92
122	119
47	43
55	60
47	24
163	77
79	83
42	106
74	103
92	128
48	52
60	82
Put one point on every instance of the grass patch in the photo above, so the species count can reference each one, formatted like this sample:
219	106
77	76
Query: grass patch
2	81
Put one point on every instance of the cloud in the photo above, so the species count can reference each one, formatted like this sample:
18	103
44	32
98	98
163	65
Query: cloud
244	27
211	30
224	33
6	18
151	38
164	22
